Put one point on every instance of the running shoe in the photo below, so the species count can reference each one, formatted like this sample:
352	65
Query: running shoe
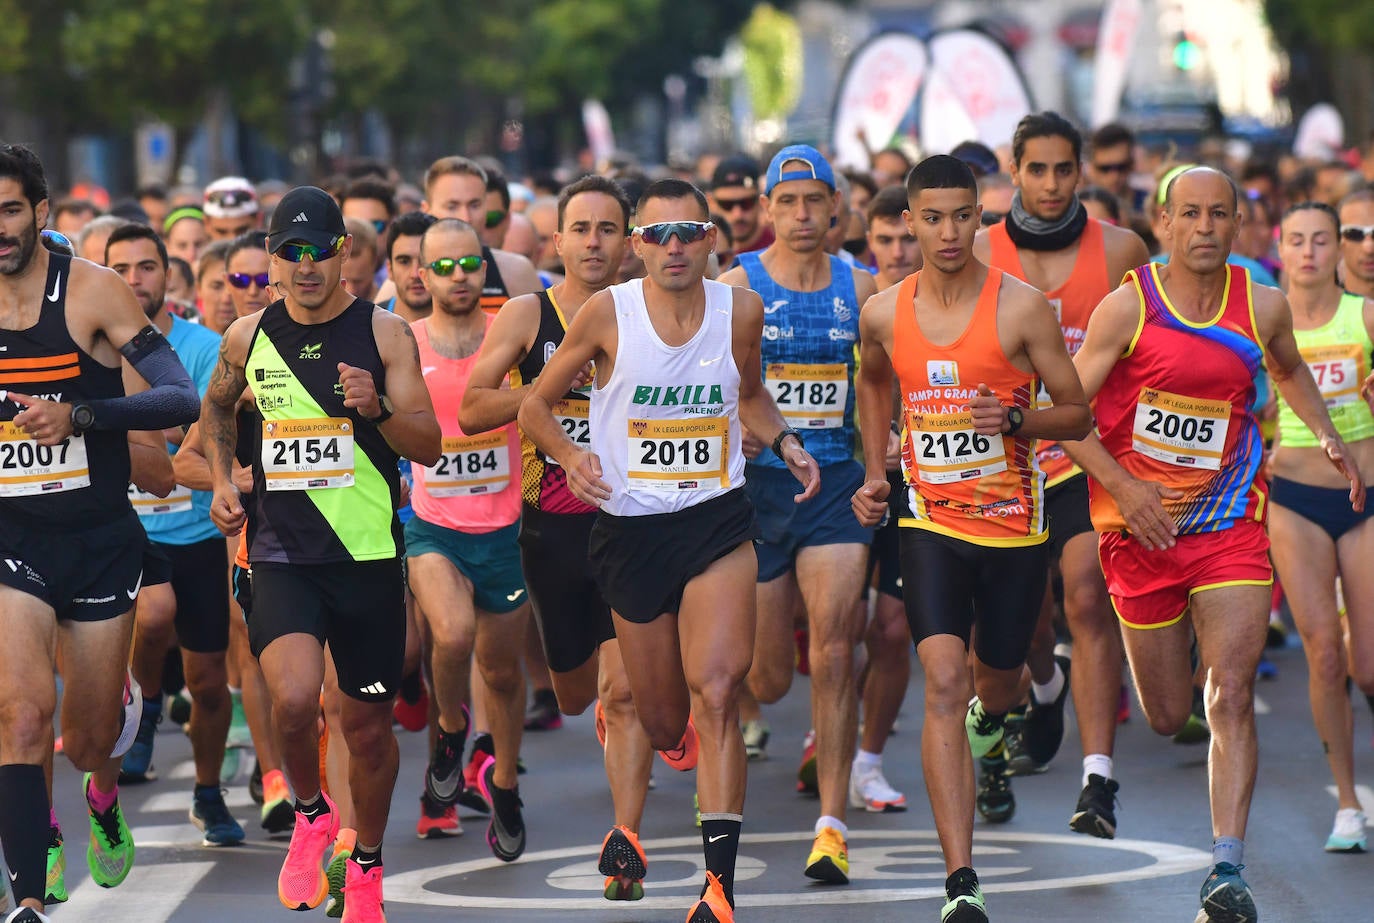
302	884
337	874
829	858
1266	668
239	736
683	757
27	915
984	731
110	854
713	907
506	831
1096	811
55	891
1019	761
543	713
1043	730
230	765
211	815
137	765
808	782
278	813
437	820
444	776
412	712
362	892
179	707
622	862
1226	898
868	789
755	740
132	716
1195	729
994	800
1347	835
471	796
255	784
965	904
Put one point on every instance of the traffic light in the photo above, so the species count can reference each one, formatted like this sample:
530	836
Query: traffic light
1187	53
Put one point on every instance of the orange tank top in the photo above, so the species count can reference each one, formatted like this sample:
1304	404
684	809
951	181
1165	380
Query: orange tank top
987	490
1073	303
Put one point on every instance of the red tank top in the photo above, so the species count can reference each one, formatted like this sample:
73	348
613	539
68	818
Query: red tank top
986	490
1073	303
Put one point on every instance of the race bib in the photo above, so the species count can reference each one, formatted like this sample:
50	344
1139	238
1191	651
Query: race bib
27	468
146	504
572	416
1337	372
307	454
809	396
675	455
947	449
1186	431
470	465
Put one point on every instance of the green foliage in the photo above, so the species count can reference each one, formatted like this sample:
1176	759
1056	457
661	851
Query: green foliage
1322	24
772	61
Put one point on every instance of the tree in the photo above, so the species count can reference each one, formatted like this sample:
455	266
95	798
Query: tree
1328	43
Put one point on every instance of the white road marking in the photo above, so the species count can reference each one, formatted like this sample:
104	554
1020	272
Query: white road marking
154	891
181	801
1261	706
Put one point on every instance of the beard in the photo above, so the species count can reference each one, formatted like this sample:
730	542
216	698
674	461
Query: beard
26	243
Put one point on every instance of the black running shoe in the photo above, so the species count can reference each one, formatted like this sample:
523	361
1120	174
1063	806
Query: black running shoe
444	777
1095	814
506	831
255	784
1043	730
995	801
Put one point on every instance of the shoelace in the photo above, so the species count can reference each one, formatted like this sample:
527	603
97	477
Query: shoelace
108	822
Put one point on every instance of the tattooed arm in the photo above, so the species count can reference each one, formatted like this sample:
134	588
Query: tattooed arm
219	423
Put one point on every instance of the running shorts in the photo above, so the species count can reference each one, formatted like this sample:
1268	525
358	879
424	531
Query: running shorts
490	560
786	526
571	613
86	575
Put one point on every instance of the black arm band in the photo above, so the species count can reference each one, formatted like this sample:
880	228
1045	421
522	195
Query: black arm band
171	399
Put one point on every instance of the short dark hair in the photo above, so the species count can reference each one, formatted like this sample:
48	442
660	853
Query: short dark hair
890	202
497	183
18	162
1047	124
594	183
1104	198
723	229
135	231
411	224
176	264
369	188
252	240
152	191
69	206
672	188
940	171
861	179
1110	135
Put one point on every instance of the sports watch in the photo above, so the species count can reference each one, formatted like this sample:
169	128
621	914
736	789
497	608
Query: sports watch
83	418
387	411
1014	420
777	440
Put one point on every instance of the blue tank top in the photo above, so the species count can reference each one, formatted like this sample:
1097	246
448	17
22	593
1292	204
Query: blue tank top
808	358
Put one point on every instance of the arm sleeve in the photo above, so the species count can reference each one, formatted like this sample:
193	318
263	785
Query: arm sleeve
171	399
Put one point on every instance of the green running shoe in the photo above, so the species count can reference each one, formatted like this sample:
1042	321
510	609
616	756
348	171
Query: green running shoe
55	892
984	730
337	873
110	854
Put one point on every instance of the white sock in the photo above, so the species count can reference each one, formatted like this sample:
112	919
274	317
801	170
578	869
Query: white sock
1096	763
827	821
1046	693
864	761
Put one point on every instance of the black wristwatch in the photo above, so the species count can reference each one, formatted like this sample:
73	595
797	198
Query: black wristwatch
1014	420
83	418
387	411
777	440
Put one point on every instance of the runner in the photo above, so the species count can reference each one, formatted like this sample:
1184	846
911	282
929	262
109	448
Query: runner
76	546
894	247
411	301
735	194
1171	359
1316	539
1357	241
671	548
338	383
231	208
813	554
962	339
1048	240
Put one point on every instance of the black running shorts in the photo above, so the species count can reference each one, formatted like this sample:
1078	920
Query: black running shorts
573	617
86	575
200	582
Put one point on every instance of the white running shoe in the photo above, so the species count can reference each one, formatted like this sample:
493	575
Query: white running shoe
1348	833
869	790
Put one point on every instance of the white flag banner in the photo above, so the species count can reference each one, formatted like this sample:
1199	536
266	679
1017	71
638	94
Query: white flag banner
986	81
945	122
877	90
596	122
1115	40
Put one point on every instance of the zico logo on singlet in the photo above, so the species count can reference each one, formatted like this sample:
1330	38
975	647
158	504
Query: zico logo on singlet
311	351
705	400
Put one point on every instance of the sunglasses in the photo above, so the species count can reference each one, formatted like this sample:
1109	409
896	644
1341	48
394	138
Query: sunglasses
58	237
231	198
445	266
294	253
1121	167
747	204
1355	234
379	225
689	232
494	217
245	279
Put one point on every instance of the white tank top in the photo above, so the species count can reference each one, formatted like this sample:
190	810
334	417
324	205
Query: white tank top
666	426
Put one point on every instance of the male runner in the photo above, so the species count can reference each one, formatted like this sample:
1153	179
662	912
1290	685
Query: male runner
411	301
969	345
1048	240
735	194
337	381
814	552
894	247
231	208
671	547
1357	241
73	543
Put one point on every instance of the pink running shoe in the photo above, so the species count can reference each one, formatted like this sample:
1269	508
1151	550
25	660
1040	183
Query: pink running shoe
363	894
302	884
684	756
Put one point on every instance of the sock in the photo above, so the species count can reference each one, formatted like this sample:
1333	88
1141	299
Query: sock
864	761
1046	693
344	843
274	787
1098	763
24	829
208	792
367	856
483	742
314	807
1228	849
961	881
100	801
827	821
720	844
52	818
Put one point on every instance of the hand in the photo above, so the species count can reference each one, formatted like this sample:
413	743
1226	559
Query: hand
226	512
1141	506
870	501
584	478
243	479
893	459
585	375
48	422
989	414
403	500
1337	454
360	391
751	445
803	468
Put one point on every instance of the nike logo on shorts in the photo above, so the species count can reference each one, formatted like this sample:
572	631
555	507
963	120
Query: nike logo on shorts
133	594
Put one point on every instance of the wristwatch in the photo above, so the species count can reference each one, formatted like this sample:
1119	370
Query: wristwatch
83	418
1014	420
387	411
777	440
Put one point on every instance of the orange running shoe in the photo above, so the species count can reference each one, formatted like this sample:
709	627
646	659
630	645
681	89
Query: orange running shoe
713	907
601	724
302	884
684	756
623	863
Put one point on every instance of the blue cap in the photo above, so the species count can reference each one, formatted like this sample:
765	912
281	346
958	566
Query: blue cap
802	161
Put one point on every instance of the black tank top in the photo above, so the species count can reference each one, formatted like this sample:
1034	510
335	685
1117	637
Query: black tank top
494	292
38	483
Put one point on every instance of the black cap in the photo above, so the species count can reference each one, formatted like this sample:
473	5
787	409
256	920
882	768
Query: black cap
306	214
736	170
979	157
